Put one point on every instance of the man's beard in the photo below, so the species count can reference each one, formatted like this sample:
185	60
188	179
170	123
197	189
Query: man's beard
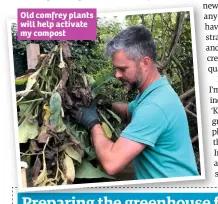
131	86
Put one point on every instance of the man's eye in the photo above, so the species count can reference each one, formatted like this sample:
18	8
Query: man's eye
122	69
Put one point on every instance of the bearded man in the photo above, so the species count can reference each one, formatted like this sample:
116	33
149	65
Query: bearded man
157	137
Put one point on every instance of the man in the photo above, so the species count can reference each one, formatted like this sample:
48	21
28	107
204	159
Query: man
157	137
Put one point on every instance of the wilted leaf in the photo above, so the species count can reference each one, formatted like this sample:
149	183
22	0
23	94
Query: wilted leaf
47	112
23	108
86	170
55	108
22	79
50	182
67	102
79	149
32	79
41	179
51	154
69	168
65	182
27	130
36	168
65	76
43	135
34	146
107	130
73	153
23	93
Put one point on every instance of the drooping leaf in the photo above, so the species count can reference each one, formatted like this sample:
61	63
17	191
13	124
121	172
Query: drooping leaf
28	130
56	110
66	100
47	112
23	108
22	79
50	154
43	135
41	179
87	170
65	76
32	79
23	93
34	146
73	153
69	168
36	168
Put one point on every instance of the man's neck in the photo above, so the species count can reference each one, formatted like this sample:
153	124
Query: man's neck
153	76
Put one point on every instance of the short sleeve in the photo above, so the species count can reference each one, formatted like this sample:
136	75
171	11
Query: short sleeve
147	124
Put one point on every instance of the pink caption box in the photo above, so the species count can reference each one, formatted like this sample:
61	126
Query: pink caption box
57	24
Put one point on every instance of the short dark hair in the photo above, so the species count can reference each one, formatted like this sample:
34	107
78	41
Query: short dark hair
136	41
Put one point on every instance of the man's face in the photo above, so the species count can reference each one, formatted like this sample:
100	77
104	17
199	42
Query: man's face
127	71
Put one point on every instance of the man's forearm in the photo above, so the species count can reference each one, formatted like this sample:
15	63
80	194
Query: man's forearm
104	149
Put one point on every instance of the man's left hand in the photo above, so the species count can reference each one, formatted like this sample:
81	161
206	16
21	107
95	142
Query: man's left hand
88	117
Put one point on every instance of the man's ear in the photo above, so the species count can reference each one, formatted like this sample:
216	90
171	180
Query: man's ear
145	62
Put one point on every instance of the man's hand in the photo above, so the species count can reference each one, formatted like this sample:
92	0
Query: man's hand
88	117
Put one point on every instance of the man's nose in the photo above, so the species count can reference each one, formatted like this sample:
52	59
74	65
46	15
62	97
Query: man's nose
118	75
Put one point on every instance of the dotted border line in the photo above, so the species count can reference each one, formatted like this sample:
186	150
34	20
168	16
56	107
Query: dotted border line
139	187
13	193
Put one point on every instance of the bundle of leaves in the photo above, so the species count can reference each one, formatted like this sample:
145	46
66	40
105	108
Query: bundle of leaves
56	148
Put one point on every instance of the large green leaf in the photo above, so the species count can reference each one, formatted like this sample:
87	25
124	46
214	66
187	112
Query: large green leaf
28	130
91	153
97	85
86	170
55	108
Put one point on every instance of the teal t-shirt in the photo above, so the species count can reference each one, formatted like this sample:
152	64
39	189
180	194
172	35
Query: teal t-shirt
158	119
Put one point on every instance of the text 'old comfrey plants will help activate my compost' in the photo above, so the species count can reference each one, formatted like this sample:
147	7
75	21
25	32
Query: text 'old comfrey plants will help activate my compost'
56	24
